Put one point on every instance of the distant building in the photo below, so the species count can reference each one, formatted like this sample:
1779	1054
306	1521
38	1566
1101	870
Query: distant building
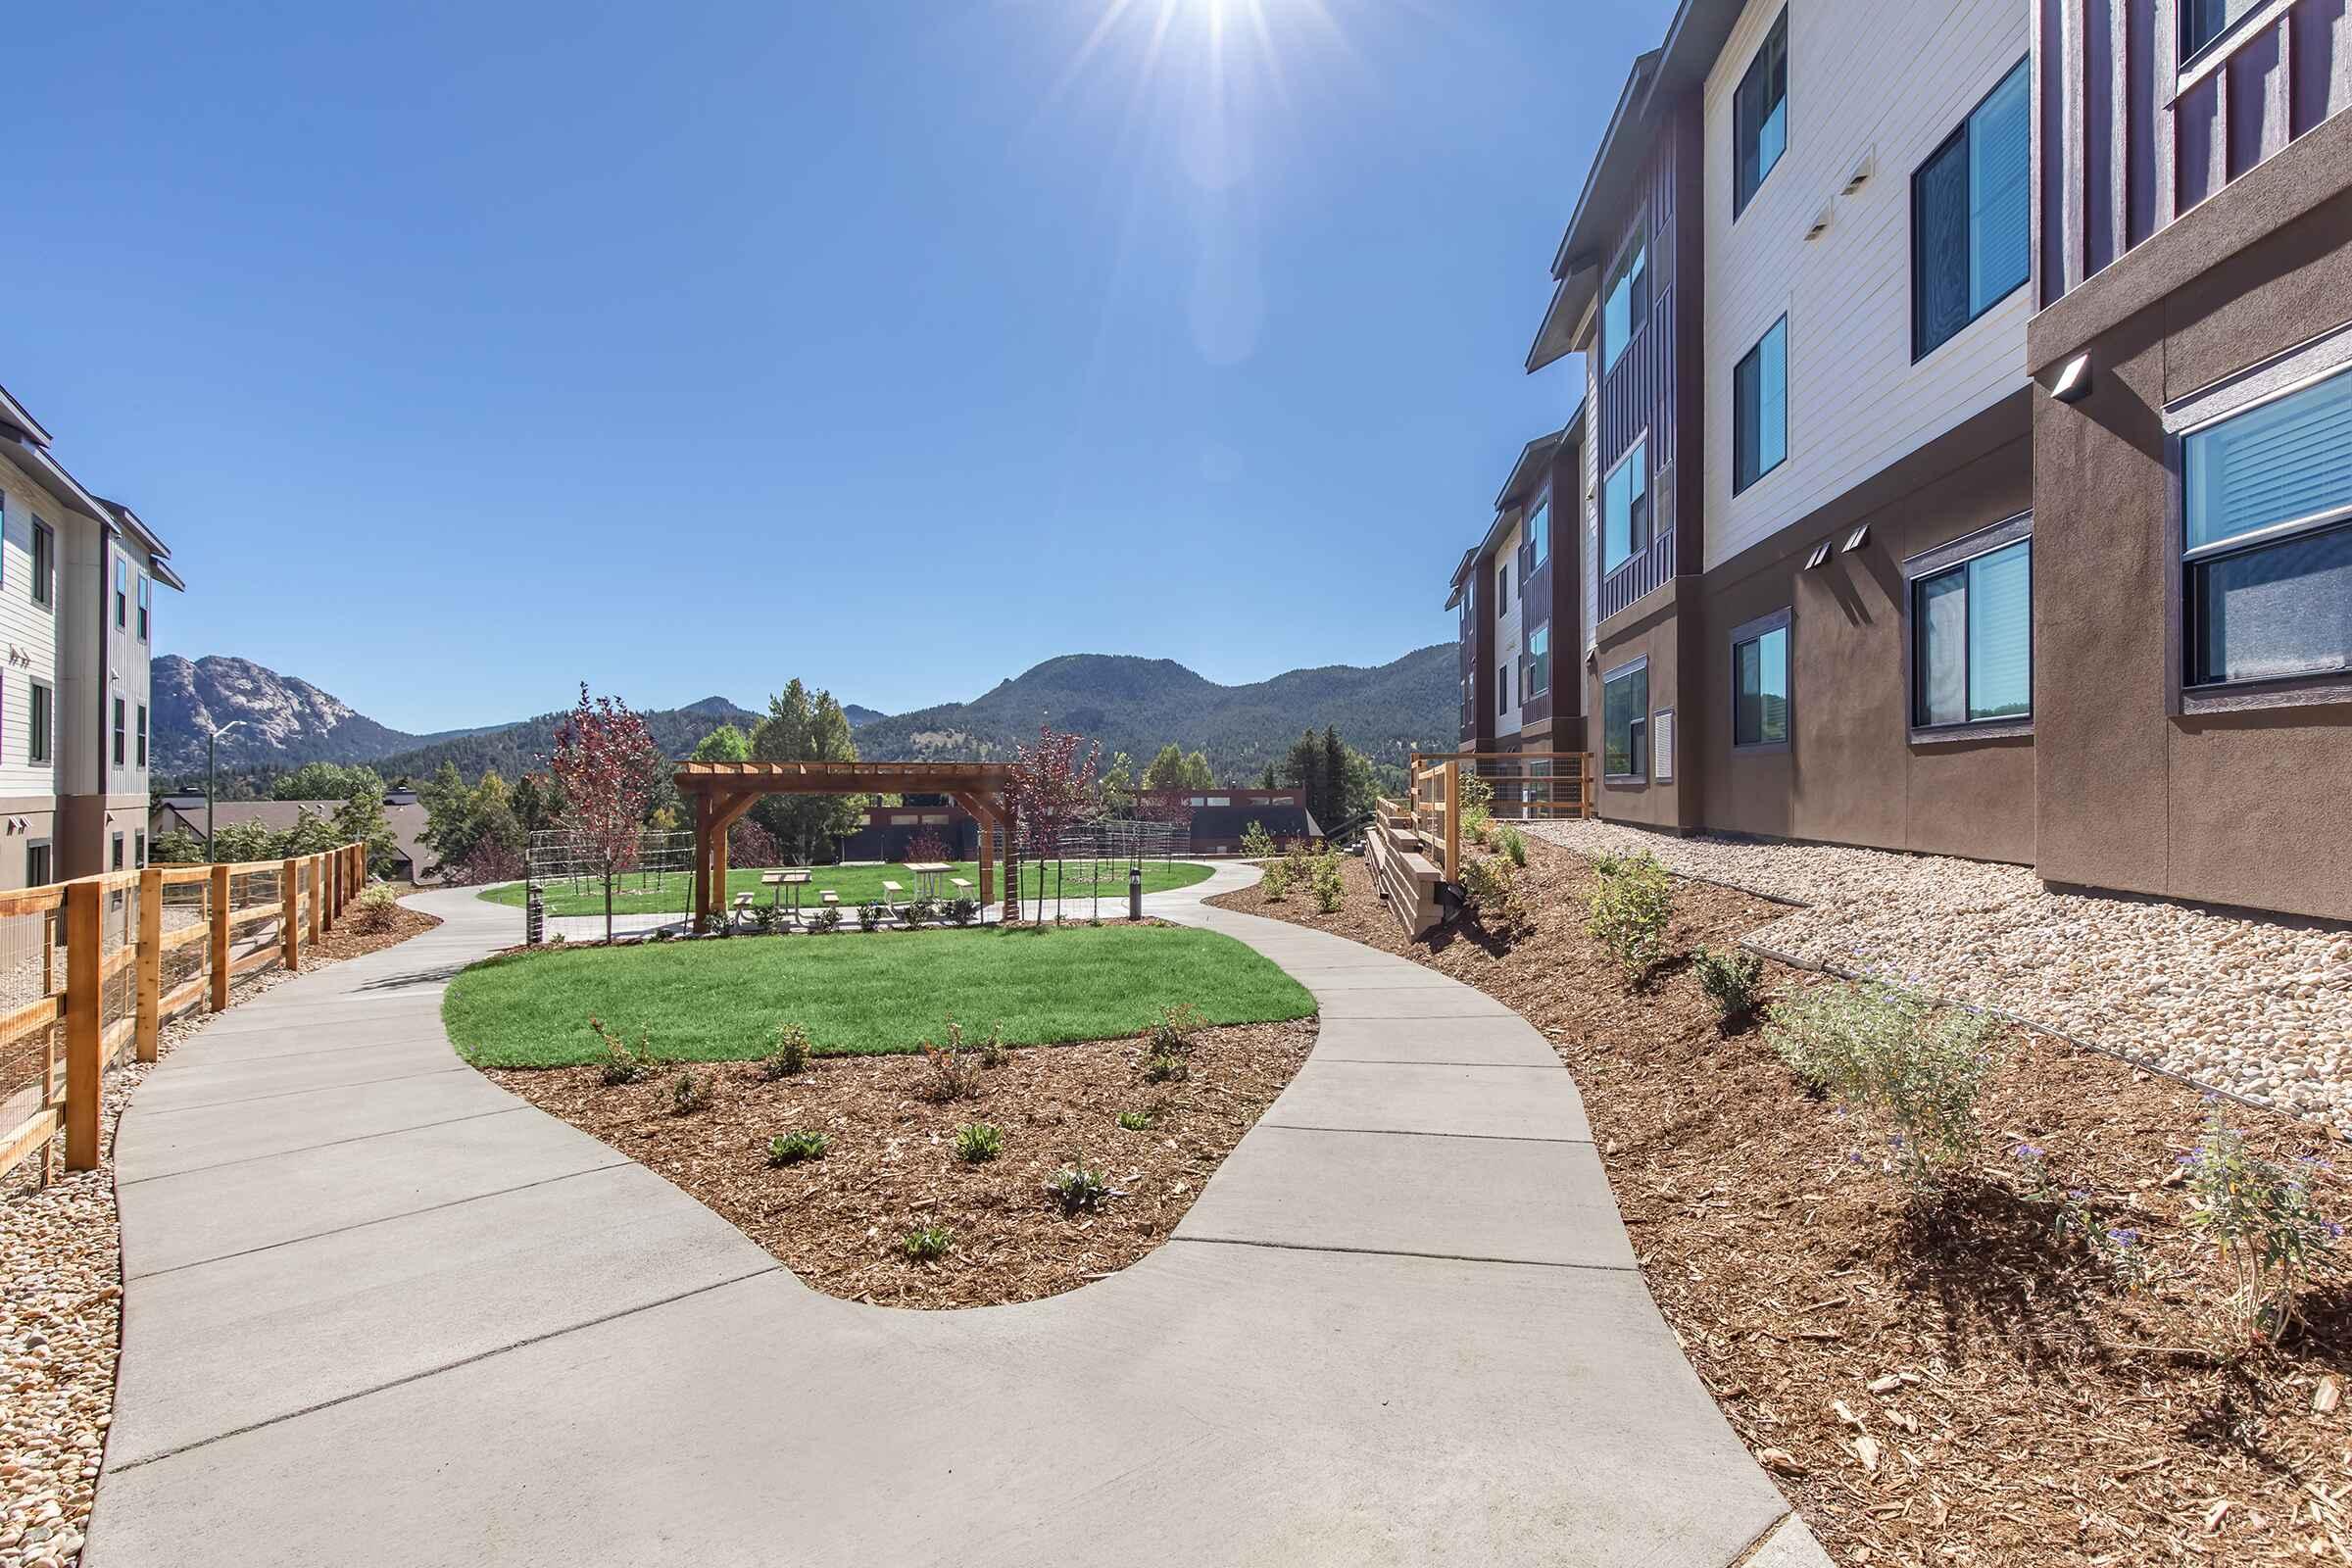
185	813
78	578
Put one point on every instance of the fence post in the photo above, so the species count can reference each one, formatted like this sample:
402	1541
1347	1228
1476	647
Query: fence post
329	878
1453	821
85	938
220	942
314	873
289	913
151	956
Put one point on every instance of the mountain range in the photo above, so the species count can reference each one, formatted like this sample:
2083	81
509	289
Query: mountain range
1128	704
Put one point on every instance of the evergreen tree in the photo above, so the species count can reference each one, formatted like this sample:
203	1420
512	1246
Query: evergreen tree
1197	775
806	727
1335	778
1166	771
361	820
725	744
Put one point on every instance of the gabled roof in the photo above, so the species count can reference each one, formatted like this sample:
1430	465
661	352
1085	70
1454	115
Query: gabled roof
1533	457
13	414
1693	39
24	442
158	554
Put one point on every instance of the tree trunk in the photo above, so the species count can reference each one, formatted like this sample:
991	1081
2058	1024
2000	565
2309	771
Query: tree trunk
608	909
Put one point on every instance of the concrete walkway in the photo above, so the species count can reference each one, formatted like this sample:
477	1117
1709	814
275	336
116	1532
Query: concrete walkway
380	1311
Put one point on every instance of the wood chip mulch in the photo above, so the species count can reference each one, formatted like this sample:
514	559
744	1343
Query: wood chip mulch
1940	1385
890	1165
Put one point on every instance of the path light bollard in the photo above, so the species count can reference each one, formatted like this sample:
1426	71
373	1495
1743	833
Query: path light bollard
534	915
1135	893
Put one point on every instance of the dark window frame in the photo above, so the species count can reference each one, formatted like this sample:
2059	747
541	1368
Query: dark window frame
1637	548
1636	246
1928	566
1756	631
122	726
40	720
1539	677
1538	530
2282	376
1744	441
117	847
1637	741
1503	588
138	839
1743	190
47	852
44	565
2193	48
1920	347
140	743
146	607
122	591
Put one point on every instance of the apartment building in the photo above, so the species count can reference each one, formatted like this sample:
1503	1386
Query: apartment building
1515	696
1962	465
78	589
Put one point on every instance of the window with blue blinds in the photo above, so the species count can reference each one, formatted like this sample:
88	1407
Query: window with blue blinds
1973	640
2266	510
1760	408
1971	216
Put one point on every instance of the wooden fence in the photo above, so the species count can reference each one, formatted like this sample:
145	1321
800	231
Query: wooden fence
1522	786
131	949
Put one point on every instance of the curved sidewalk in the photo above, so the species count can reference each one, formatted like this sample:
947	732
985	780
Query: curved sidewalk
378	1310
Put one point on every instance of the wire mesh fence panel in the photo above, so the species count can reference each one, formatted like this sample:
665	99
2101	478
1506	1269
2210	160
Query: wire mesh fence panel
32	974
565	876
187	906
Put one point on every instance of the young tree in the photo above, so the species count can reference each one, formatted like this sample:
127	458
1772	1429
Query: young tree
1302	770
605	762
1118	786
1197	775
1051	788
1335	778
1166	771
180	847
361	820
327	781
725	744
803	726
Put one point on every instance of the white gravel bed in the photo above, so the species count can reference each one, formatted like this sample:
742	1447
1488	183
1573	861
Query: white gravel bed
60	1306
2259	1007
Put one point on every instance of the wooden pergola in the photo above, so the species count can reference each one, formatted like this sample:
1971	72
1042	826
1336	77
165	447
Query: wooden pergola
722	791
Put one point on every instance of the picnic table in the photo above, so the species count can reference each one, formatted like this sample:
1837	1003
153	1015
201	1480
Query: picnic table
785	882
927	875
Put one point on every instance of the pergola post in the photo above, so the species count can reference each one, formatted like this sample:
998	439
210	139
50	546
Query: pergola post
701	858
984	814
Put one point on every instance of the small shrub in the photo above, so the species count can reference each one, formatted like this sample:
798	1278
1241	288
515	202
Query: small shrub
1331	891
927	1244
954	1068
870	914
1492	884
1911	1068
1276	881
1078	1188
829	918
2073	1224
790	1058
1628	913
689	1094
2260	1216
375	908
623	1065
1159	1068
1731	980
790	1149
961	911
978	1143
1512	845
918	912
1172	1035
1257	843
765	919
1478	804
992	1049
1136	1121
717	923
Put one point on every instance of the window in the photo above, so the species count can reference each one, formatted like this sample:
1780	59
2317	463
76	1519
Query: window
1969	217
118	727
1538	533
36	864
122	595
142	735
115	863
1761	682
1539	661
1760	408
1760	116
1625	721
37	740
1625	308
146	604
2203	21
1972	639
44	563
1503	689
2267	512
1503	589
1624	508
139	849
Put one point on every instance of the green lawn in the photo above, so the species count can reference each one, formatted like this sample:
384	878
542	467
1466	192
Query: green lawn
856	884
858	994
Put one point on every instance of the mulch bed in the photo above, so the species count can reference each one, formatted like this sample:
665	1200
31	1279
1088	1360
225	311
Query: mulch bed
2039	1413
891	1166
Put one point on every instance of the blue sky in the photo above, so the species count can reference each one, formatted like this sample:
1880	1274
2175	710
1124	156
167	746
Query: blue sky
462	351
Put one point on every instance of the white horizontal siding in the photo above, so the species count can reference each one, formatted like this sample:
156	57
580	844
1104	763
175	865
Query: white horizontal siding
1890	79
27	633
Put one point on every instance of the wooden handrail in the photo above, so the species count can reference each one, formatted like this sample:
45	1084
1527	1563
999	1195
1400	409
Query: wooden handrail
312	892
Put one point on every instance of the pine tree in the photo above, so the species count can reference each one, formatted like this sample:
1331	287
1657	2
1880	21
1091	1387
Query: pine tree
1335	779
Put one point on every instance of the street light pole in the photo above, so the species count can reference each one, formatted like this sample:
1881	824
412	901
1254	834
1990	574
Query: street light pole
212	760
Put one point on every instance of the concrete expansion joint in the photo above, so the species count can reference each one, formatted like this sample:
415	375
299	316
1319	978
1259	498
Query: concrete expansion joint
447	1367
1397	1252
289	1094
331	1143
1407	1132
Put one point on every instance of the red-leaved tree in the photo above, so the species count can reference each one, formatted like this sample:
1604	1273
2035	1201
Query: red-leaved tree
606	765
1051	790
